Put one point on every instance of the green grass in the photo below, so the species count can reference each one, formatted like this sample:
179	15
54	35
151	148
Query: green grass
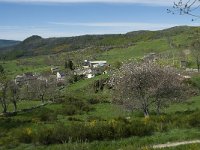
83	89
104	111
190	105
22	105
137	51
125	144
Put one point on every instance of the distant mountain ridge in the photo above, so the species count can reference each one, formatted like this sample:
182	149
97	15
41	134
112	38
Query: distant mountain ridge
7	43
36	45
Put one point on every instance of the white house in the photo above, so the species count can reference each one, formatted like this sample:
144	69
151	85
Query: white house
96	64
90	75
60	76
54	69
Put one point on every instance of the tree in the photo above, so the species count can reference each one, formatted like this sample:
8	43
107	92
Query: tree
196	52
3	92
186	7
14	93
69	64
1	69
38	89
43	89
52	91
143	85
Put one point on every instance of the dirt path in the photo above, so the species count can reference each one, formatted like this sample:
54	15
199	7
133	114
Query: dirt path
175	144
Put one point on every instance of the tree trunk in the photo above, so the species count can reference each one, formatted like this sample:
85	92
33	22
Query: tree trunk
15	106
146	113
198	65
145	107
42	97
4	105
158	104
5	109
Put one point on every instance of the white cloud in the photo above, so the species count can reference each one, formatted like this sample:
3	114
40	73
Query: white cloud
62	29
149	2
138	25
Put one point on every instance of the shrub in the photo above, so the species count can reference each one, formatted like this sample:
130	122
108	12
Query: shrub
68	110
73	119
45	136
9	142
194	119
25	135
60	134
93	101
46	115
142	127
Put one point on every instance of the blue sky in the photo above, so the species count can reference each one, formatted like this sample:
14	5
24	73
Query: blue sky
20	19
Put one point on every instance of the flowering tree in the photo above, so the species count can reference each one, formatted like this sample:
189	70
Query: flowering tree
144	85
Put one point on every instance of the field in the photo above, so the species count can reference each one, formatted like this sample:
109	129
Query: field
53	114
84	119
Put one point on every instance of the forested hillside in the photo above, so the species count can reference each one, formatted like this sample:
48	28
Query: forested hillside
36	45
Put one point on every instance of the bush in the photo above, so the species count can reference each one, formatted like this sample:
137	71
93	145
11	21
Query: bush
195	81
94	130
93	101
194	119
25	135
45	136
60	134
74	119
46	115
9	142
74	106
68	110
140	128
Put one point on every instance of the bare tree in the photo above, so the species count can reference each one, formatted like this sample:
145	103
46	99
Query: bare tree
3	92
186	7
38	89
52	90
143	85
14	93
43	89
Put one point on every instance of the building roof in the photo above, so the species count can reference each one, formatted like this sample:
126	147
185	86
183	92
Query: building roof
61	73
98	62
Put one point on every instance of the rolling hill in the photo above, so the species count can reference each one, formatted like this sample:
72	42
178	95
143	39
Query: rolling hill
36	45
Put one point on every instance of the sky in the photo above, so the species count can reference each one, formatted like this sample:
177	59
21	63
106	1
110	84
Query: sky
20	19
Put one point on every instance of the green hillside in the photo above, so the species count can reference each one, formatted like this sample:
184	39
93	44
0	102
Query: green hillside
84	119
36	45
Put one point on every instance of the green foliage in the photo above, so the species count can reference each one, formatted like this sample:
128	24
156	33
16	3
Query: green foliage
25	135
195	81
1	69
74	106
113	129
94	130
40	46
68	110
194	119
45	136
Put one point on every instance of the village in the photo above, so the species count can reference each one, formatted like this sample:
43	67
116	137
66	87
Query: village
89	69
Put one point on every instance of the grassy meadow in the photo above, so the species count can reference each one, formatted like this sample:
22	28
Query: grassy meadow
87	120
